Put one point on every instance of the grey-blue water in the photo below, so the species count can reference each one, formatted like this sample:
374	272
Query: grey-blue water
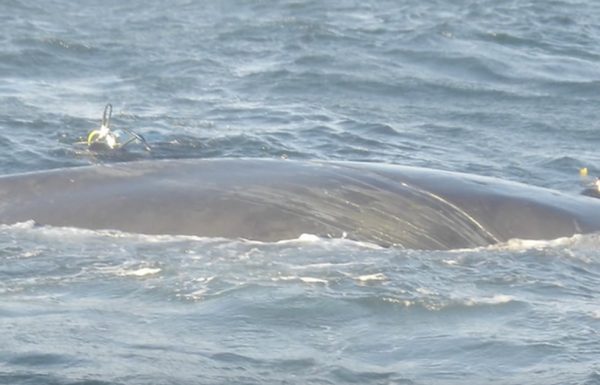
500	88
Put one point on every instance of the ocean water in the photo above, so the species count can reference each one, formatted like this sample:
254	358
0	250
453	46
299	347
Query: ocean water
505	89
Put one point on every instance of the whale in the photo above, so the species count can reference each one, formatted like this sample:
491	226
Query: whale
275	199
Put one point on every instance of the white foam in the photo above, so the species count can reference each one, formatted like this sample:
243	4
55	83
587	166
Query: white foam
497	299
372	277
518	244
73	232
306	238
124	272
404	302
425	291
450	262
144	271
311	280
30	224
30	254
532	244
196	295
204	279
325	265
310	238
284	278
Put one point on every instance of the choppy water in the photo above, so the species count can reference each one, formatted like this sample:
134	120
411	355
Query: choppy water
507	89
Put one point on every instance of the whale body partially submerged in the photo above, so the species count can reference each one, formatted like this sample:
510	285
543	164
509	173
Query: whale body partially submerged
270	200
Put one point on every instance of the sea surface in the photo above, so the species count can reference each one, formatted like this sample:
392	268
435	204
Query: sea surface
508	89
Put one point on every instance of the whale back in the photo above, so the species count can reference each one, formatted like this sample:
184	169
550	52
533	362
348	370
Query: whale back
270	200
